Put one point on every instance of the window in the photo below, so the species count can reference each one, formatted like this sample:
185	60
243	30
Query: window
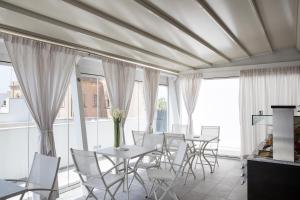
20	136
218	105
136	118
99	126
162	109
95	100
15	126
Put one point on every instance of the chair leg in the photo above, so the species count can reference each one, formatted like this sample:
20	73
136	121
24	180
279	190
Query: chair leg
190	169
155	195
151	190
203	171
105	194
173	195
111	195
135	171
118	187
22	196
141	181
90	193
196	162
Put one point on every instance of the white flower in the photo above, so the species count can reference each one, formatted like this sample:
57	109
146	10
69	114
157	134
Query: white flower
117	114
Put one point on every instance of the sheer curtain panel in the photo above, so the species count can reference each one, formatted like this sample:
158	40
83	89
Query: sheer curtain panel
190	87
259	89
120	77
174	98
151	81
43	72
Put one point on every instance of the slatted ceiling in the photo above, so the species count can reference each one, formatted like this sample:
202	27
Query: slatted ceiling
34	25
239	17
137	15
280	18
197	20
64	12
165	44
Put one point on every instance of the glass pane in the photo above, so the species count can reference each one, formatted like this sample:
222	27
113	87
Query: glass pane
141	106
65	137
211	110
98	121
14	127
162	109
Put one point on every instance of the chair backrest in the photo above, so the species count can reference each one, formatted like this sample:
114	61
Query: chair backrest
43	173
180	157
153	141
173	140
86	163
180	128
213	131
138	137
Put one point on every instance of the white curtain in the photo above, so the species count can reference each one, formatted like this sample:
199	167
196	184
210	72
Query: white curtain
120	77
174	99
43	72
190	87
151	82
259	89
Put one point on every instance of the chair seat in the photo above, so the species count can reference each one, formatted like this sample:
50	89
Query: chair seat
160	174
96	182
148	161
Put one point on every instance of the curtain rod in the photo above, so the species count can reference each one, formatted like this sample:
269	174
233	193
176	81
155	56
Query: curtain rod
98	75
86	50
4	61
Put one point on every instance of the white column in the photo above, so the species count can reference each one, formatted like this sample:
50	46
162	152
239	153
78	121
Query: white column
78	108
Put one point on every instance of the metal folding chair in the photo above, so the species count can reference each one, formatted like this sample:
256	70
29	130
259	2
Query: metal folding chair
91	176
180	128
42	177
172	142
151	160
138	137
213	147
164	179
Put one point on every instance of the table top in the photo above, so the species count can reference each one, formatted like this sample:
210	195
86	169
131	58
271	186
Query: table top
132	152
9	189
202	138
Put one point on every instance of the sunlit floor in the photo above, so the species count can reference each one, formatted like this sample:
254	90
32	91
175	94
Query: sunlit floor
224	184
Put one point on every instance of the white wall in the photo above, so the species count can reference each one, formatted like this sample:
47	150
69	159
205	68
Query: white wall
18	112
17	145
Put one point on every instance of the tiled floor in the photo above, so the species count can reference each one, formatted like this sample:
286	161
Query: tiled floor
224	184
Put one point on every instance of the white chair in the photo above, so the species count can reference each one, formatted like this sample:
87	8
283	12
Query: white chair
172	142
42	177
138	137
91	176
150	160
180	128
212	148
164	179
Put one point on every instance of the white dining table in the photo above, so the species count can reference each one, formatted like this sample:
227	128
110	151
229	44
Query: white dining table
204	140
126	153
9	189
